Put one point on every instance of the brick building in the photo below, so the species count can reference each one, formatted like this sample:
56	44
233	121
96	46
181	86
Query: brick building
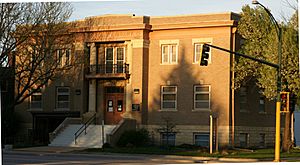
147	69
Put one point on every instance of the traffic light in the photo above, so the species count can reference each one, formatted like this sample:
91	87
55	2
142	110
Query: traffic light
204	55
285	101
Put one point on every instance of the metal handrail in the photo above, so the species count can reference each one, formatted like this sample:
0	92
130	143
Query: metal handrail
84	127
109	68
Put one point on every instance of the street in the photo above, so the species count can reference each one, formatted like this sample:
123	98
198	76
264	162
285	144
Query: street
35	158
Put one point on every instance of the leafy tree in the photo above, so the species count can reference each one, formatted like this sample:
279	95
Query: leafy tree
260	41
30	35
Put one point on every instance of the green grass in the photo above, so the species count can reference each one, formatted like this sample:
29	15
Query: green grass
256	154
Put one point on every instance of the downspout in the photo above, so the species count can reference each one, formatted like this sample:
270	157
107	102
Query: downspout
233	38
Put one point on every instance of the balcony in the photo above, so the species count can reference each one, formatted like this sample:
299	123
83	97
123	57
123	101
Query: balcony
108	71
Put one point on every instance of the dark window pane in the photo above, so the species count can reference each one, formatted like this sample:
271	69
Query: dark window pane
202	105
169	89
109	54
167	97
168	105
202	96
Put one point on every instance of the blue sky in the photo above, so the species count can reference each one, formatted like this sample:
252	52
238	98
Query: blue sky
82	9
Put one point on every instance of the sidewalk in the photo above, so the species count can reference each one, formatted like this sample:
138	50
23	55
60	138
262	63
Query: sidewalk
50	149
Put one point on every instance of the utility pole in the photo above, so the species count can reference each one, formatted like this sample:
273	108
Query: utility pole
279	35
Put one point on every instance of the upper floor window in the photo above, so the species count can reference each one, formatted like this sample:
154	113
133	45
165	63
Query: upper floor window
243	99
169	53
198	51
36	100
262	107
202	97
63	57
63	98
169	97
114	59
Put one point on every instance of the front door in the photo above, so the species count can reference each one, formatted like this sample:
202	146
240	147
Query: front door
114	105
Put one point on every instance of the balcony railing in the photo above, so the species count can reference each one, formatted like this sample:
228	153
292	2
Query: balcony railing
108	71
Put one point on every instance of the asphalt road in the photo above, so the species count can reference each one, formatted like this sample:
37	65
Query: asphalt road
19	158
36	158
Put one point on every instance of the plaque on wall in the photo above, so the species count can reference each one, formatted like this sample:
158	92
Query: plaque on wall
135	107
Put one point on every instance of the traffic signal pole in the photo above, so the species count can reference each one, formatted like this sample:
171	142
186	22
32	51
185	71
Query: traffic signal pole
278	103
245	56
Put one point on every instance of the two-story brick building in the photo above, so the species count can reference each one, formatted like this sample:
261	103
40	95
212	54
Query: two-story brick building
147	69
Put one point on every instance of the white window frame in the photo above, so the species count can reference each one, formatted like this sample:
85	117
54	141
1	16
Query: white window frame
31	101
62	93
170	54
201	133
195	61
162	101
202	92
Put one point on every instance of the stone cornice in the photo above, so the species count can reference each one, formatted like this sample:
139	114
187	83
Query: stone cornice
112	28
194	25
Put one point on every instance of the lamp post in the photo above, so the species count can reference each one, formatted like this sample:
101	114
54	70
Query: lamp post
278	31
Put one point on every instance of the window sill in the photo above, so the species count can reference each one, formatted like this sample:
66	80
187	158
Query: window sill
167	110
201	110
168	64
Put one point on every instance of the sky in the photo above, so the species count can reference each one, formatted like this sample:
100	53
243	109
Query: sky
279	8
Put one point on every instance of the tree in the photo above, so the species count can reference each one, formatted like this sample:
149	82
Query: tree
260	41
34	37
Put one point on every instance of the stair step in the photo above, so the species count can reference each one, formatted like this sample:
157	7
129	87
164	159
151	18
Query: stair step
93	138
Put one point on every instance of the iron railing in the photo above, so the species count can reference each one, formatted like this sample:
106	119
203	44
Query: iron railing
84	127
109	68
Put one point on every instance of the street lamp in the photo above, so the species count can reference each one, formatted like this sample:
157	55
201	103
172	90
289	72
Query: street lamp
278	31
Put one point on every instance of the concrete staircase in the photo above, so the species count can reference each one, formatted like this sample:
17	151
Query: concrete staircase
92	138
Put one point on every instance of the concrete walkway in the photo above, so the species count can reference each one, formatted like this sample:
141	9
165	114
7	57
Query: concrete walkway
50	149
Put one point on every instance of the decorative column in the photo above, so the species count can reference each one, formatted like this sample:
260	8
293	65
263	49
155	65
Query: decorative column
92	82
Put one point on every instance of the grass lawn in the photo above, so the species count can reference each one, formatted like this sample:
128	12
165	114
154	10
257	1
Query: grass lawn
254	154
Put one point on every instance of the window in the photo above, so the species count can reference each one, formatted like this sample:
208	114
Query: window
262	140
68	57
169	97
198	51
59	55
168	139
36	100
63	57
243	99
262	104
201	97
244	137
201	139
169	54
63	98
114	59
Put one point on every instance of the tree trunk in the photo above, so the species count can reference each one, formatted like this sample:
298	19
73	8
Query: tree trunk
286	143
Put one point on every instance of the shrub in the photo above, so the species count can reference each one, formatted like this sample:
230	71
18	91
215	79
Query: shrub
134	138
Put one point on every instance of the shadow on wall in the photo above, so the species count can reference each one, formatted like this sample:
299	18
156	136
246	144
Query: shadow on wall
184	76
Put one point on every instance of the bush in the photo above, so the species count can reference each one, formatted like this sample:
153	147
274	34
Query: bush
134	138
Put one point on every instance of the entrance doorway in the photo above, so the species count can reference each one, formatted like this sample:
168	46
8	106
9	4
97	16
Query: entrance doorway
114	104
